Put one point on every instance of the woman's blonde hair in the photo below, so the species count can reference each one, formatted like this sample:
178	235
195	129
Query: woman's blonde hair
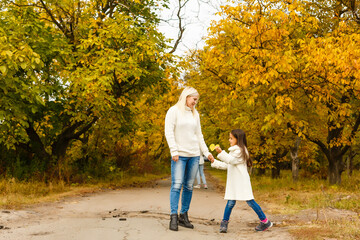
188	91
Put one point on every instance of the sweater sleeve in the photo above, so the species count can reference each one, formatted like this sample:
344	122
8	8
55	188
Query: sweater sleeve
219	165
170	122
204	149
225	157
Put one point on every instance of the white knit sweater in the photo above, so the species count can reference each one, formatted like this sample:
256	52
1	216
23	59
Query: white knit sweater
183	133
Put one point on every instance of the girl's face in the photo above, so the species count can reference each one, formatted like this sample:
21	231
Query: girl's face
191	101
232	140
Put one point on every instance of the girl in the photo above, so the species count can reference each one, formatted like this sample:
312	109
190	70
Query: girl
201	174
238	186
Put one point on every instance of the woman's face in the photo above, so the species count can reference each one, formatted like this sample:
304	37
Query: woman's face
232	140
191	101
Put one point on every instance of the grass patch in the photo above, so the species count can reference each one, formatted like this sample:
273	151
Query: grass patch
304	194
347	229
307	193
16	194
284	197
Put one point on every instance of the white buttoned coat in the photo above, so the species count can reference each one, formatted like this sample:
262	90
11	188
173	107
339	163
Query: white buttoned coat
238	185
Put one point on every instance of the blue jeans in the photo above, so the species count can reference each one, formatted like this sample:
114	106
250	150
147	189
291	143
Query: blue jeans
201	173
231	203
183	173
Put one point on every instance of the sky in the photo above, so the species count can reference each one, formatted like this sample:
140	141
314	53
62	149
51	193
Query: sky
197	17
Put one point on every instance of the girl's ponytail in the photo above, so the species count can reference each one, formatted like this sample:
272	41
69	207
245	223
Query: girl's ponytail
241	142
249	161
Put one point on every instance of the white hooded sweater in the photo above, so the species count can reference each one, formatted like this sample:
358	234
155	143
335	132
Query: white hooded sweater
183	133
238	185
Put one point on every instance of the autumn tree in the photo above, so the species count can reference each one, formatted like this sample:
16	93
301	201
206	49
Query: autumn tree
225	106
302	78
67	66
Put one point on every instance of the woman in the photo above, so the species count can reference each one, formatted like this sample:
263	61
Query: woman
185	140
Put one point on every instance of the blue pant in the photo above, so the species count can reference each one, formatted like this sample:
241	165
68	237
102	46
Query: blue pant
201	174
231	203
183	173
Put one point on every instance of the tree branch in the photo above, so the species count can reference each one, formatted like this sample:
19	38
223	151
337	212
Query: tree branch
36	144
181	28
62	28
85	128
316	141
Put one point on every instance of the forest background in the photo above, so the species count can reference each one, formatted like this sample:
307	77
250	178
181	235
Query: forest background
85	86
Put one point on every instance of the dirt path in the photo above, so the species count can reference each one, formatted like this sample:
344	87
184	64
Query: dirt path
129	214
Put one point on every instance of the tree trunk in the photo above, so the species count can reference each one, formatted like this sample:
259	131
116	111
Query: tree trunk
59	152
351	166
295	159
275	171
335	154
261	171
59	147
336	165
349	162
280	153
36	145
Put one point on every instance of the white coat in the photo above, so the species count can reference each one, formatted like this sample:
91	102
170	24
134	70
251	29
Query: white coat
238	185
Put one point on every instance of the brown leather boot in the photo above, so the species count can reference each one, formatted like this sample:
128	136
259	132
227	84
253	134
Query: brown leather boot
184	221
173	222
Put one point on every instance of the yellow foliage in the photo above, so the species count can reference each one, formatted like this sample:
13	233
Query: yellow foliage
267	66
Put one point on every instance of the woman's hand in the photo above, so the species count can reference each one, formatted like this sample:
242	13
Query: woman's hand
211	158
218	149
175	158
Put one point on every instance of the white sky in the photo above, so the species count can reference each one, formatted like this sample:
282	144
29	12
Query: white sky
197	16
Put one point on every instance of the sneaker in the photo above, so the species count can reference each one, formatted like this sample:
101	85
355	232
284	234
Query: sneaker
263	226
224	226
205	186
197	186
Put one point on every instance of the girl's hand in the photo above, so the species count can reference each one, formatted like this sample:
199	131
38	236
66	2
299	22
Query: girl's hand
218	149
175	158
211	158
